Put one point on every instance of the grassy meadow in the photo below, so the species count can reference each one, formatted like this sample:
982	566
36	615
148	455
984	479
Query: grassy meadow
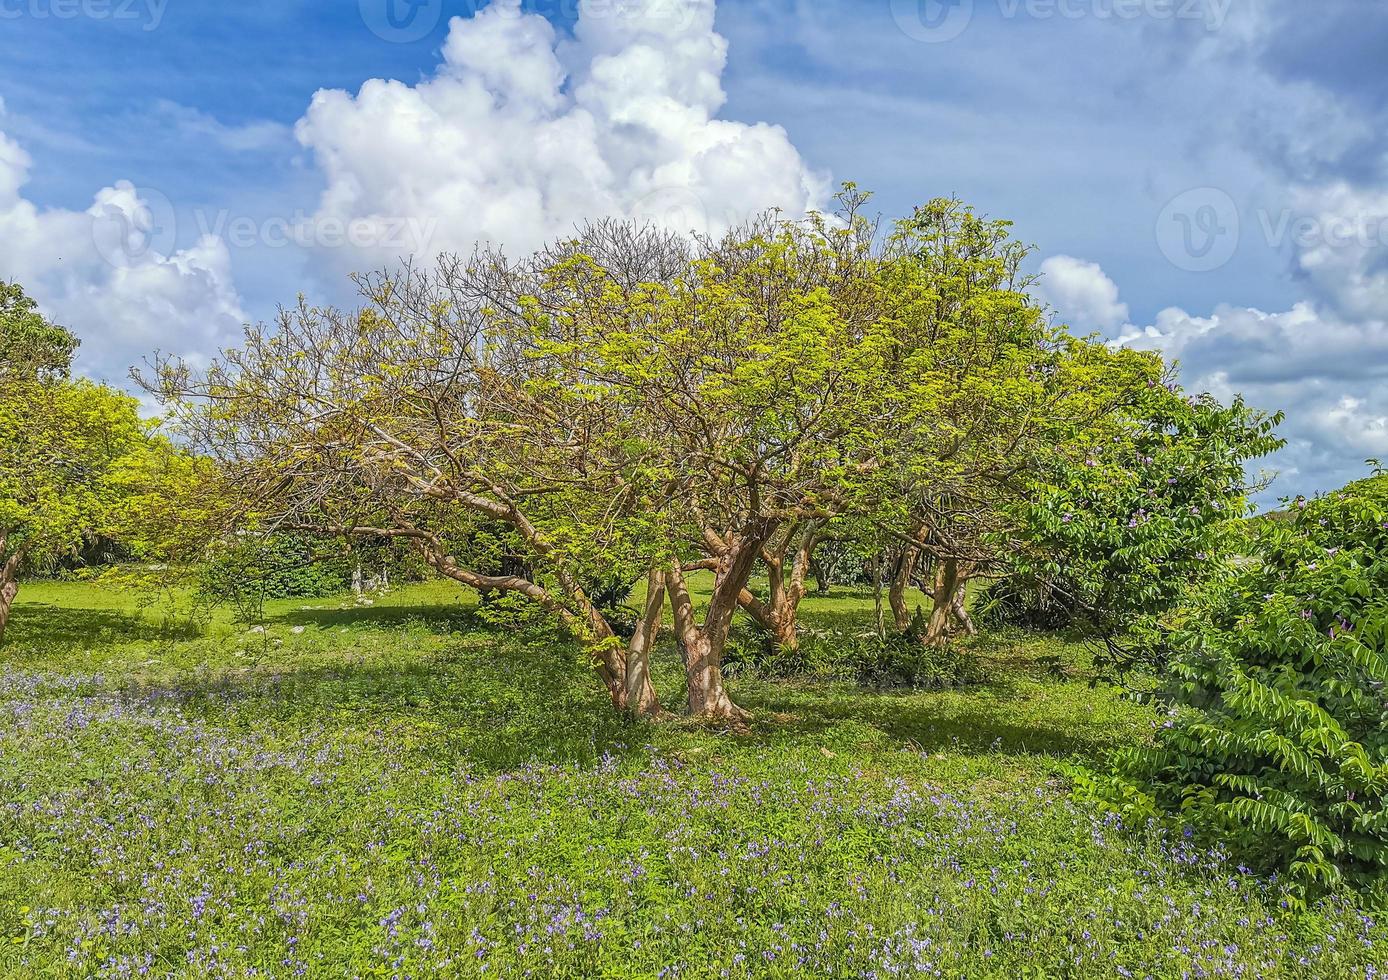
400	790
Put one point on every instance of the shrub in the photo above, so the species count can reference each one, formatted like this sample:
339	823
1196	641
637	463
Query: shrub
251	570
901	660
1025	602
1278	735
898	661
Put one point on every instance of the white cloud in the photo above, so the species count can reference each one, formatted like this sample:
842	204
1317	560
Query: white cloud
110	273
1328	374
1340	235
520	134
1081	293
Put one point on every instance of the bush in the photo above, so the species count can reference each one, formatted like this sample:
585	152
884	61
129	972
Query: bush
1278	735
275	567
1025	602
899	661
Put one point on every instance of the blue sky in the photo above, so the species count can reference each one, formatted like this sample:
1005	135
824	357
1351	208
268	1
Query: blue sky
1208	177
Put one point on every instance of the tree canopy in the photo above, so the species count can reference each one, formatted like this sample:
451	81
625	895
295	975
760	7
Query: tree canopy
73	453
631	404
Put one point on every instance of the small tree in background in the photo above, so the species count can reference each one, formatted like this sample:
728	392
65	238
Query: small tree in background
1148	517
69	448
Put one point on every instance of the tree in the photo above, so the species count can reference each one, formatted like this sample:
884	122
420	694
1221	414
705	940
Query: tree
625	401
67	447
1148	517
747	371
30	346
982	392
420	418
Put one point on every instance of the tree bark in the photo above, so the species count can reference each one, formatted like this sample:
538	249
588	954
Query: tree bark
701	646
961	613
779	614
642	700
944	584
9	580
9	588
950	577
905	573
821	577
901	580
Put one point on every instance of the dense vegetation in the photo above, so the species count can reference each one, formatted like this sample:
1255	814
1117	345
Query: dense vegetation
1279	729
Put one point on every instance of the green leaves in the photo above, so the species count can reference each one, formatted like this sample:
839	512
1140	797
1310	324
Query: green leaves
1283	668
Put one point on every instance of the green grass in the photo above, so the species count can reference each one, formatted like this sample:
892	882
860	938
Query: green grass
399	790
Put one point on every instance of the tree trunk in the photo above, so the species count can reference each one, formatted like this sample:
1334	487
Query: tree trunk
901	581
779	615
821	577
641	695
961	613
946	583
701	646
947	597
9	579
9	588
708	697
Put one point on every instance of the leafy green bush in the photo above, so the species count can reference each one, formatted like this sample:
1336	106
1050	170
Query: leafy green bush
752	650
1278	736
1144	523
900	661
251	570
1027	602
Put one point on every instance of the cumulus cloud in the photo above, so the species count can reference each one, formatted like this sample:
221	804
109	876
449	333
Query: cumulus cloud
1327	373
112	275
521	134
1340	237
1081	293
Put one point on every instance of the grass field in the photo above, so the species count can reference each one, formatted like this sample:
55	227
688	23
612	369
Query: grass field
398	790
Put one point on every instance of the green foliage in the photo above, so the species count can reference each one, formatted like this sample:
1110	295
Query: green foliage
73	454
902	660
1278	738
1146	519
254	568
1024	602
30	346
898	661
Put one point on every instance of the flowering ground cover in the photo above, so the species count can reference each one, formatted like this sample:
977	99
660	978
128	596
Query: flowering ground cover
398	790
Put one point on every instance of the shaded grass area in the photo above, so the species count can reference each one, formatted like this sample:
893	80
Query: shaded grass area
400	790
